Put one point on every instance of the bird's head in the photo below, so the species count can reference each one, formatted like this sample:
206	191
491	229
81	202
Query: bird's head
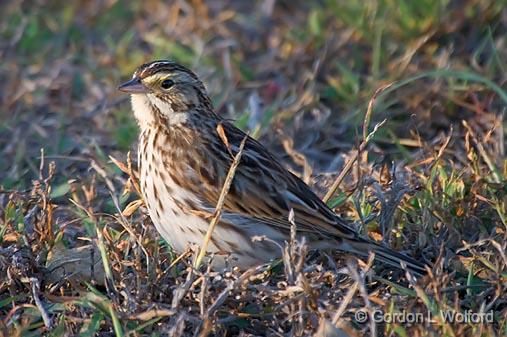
165	90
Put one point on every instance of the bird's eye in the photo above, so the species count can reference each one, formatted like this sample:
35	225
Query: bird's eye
166	84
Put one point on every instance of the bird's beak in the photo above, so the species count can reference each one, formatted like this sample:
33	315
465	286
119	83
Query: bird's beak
134	86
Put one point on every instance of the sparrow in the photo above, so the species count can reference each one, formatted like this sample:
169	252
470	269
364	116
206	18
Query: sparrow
185	151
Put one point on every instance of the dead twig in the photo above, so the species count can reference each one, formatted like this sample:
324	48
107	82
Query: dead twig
35	293
366	138
220	204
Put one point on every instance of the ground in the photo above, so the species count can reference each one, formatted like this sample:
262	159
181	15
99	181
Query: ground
396	107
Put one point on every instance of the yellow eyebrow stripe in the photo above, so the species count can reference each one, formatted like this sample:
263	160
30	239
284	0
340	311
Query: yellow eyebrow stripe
156	77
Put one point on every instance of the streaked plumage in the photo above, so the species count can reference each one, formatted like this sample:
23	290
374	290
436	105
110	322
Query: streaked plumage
183	163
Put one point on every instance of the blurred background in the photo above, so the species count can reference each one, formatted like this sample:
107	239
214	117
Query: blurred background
278	68
299	76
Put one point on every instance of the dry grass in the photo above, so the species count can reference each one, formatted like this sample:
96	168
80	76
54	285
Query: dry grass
78	254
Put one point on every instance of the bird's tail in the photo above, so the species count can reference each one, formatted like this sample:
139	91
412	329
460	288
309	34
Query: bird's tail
384	254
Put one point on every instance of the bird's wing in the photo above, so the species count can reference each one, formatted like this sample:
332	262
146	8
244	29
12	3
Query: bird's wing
264	190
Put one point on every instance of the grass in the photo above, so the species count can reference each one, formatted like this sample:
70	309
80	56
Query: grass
78	253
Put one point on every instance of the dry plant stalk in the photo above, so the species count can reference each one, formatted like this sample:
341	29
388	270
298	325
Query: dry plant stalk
220	203
366	138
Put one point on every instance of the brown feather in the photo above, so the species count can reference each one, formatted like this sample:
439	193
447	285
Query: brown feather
188	148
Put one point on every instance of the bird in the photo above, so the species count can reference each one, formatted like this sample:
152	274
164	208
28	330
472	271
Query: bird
185	151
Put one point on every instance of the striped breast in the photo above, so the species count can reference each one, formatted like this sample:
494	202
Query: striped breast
178	213
165	198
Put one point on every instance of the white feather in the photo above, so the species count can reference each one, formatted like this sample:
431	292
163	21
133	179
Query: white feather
142	111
